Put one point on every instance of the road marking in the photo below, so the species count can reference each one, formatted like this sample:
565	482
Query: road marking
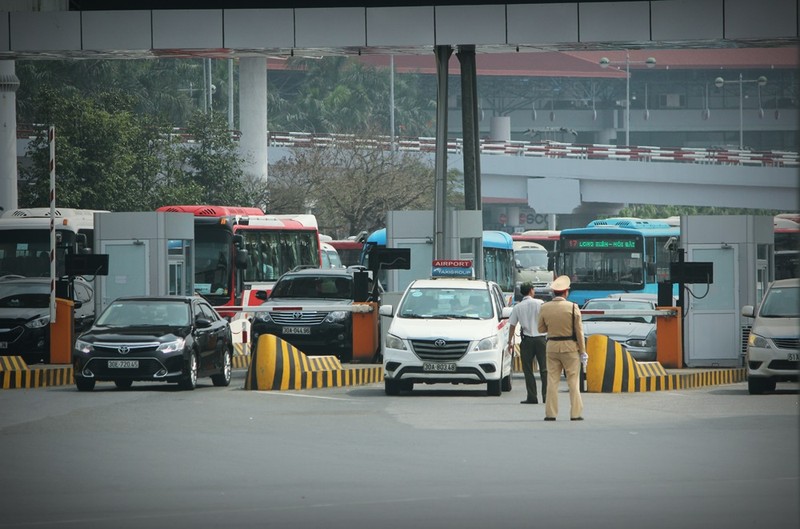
280	394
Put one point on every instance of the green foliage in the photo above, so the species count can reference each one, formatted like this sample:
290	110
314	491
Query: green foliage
652	211
342	95
107	157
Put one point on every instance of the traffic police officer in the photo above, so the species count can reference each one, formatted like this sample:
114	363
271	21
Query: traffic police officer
561	320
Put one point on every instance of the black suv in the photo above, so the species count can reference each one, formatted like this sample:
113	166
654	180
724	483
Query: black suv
304	312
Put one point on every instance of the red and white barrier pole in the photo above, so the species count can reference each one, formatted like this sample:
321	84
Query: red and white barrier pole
51	138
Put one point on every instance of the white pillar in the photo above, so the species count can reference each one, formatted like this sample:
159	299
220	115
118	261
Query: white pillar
8	136
253	115
500	128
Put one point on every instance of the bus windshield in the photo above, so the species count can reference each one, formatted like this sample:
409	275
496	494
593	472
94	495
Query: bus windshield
26	252
212	276
272	253
531	259
599	262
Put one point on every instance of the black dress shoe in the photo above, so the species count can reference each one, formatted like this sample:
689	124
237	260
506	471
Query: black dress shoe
534	401
576	419
549	418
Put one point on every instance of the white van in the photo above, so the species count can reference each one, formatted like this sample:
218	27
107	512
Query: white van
330	257
449	331
531	263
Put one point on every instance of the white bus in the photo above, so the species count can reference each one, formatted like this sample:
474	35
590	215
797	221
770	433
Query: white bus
25	239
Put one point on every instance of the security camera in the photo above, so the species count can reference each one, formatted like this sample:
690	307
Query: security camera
671	245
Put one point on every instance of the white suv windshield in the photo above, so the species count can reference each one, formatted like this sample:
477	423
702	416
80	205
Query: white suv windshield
446	303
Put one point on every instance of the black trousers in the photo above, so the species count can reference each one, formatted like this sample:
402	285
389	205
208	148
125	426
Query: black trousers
534	347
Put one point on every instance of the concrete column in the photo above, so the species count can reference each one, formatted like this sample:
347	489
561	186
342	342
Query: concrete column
440	234
606	137
253	115
8	136
500	128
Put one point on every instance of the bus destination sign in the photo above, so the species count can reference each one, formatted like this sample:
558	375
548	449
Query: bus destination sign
601	244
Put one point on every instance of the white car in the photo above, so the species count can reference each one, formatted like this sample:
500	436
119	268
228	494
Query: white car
773	354
451	331
637	333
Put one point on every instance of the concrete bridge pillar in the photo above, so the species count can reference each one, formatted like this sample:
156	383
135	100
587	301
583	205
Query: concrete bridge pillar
253	116
8	136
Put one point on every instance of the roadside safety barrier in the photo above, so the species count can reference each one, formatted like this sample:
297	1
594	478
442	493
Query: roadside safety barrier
277	365
611	369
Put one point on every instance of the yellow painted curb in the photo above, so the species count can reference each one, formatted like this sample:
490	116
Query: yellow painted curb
611	369
277	365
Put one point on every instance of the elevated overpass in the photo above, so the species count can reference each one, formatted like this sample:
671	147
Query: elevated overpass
553	177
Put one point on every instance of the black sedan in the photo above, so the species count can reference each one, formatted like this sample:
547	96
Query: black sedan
169	339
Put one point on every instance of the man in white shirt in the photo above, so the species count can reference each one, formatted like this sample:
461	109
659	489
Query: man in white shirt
533	344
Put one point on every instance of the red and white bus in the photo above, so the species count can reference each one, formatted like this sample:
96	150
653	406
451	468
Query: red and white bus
349	250
547	238
240	250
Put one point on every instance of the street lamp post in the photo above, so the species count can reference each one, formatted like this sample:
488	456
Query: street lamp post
605	63
719	82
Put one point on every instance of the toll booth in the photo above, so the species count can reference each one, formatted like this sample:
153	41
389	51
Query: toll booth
414	230
741	250
149	254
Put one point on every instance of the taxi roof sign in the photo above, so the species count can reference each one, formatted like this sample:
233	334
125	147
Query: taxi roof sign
455	268
453	263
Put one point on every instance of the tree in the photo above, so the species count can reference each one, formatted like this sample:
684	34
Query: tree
342	95
350	186
109	158
104	156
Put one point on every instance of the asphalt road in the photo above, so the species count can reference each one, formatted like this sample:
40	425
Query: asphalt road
352	457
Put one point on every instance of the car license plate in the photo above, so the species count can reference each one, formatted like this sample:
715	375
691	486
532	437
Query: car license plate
438	366
123	364
794	357
297	330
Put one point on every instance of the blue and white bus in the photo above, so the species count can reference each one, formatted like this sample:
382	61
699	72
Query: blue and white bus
498	257
616	255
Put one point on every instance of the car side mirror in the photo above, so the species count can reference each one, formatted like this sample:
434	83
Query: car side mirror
202	323
261	294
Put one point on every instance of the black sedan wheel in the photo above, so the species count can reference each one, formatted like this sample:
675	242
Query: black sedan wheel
189	381
224	378
84	384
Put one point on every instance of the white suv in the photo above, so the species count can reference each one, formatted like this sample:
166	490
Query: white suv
451	331
773	354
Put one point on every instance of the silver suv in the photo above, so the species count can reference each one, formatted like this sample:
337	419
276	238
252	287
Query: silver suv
772	347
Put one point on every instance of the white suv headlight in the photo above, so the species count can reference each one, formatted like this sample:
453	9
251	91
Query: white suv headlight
487	344
393	342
